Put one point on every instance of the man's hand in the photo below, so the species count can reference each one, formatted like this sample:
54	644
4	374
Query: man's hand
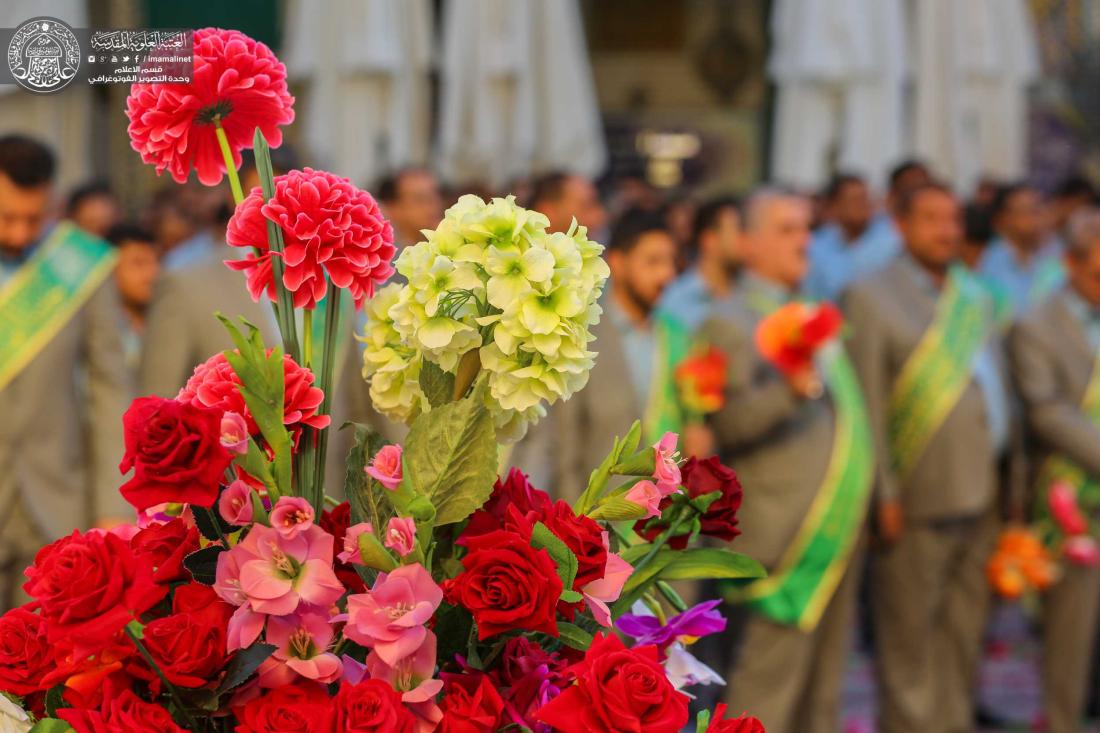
697	440
891	522
805	383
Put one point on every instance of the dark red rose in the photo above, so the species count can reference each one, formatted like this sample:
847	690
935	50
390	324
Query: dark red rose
164	546
507	584
336	523
25	653
701	477
743	724
121	712
89	587
513	497
303	708
175	451
530	677
583	536
618	690
371	706
471	704
189	648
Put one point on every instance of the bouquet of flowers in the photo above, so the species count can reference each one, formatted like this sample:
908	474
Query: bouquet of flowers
439	596
1065	527
791	335
701	381
1020	564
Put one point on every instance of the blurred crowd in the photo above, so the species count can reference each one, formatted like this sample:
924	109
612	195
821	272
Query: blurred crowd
714	266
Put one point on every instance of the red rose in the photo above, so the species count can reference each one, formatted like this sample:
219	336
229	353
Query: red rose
470	704
701	477
743	724
304	708
581	535
336	523
618	690
164	546
515	496
121	712
372	706
175	451
201	599
507	584
25	654
89	587
189	648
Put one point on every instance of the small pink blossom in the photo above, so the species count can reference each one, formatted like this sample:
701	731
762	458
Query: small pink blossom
401	535
390	617
1062	500
1082	550
274	574
234	432
245	626
386	467
599	593
302	641
667	469
291	516
646	495
412	677
351	552
235	503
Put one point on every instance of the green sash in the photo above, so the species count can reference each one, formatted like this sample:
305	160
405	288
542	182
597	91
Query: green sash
802	585
44	294
939	369
672	343
1048	277
1059	468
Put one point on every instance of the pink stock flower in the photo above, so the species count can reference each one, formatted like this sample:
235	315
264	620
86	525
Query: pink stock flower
291	516
390	617
351	554
386	467
412	677
235	80
302	641
235	503
1082	550
331	230
401	535
275	574
667	469
599	593
646	495
1062	500
234	432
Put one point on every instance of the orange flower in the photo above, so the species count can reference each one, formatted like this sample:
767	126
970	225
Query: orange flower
1020	563
792	334
701	380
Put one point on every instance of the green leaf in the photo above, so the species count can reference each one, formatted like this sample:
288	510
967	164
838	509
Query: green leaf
256	464
451	456
55	700
618	509
210	523
633	438
367	505
634	553
711	562
51	725
437	385
563	557
259	511
203	564
243	664
571	596
574	636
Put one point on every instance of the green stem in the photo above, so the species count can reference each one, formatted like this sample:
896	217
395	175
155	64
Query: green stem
284	303
328	369
230	166
331	503
307	337
666	590
191	724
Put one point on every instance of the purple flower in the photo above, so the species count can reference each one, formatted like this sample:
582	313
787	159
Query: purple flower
698	621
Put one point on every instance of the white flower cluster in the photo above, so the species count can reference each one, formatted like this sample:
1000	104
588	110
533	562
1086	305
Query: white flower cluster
490	277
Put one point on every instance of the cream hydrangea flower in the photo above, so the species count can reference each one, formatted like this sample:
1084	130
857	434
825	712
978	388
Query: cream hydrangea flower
13	719
489	278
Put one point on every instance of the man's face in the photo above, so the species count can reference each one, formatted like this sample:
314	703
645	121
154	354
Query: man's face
136	272
418	205
96	214
1084	274
778	240
852	208
1022	220
932	229
646	269
725	240
23	213
579	199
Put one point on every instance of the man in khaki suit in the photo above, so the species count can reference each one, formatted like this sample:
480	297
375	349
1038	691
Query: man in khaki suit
1053	351
923	342
642	258
777	431
62	379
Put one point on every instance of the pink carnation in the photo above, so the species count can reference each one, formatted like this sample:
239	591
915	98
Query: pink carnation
330	227
235	80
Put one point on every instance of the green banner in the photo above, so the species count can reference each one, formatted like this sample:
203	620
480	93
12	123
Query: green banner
44	294
672	343
797	592
939	369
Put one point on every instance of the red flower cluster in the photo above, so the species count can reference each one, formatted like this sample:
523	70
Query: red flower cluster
121	712
330	227
237	81
701	477
701	381
790	336
742	724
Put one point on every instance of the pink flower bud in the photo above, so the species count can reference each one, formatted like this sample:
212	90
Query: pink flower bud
291	516
1082	550
234	433
386	467
235	503
646	495
401	535
1062	500
667	470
